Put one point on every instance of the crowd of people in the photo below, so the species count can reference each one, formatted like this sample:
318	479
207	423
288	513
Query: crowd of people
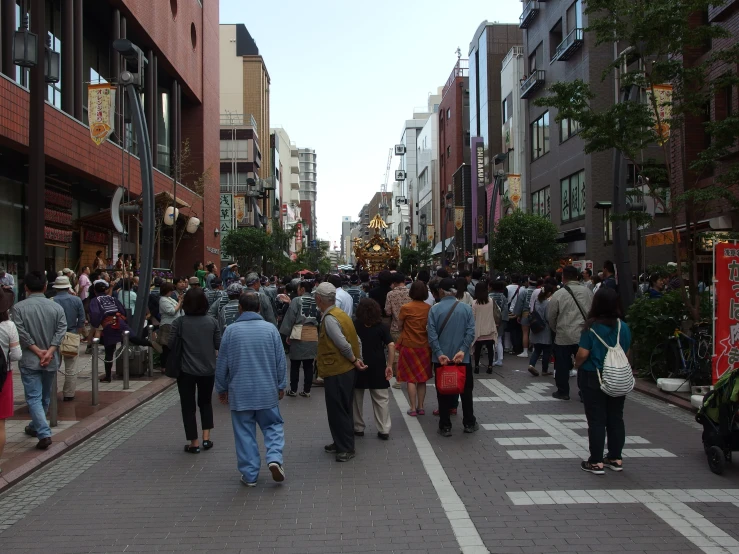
348	333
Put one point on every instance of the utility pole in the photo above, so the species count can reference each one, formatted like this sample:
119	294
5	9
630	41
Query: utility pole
36	156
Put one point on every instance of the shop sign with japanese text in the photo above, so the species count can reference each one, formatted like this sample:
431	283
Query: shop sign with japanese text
726	337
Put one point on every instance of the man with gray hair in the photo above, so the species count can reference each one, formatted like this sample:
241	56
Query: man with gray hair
339	354
252	282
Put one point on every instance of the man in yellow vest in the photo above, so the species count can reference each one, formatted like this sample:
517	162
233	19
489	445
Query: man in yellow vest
339	355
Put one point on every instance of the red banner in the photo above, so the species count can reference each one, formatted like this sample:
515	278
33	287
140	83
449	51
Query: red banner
726	335
299	236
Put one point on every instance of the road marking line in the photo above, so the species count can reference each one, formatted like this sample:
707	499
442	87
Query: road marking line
464	529
668	504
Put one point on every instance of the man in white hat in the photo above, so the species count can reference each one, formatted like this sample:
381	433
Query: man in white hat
6	279
74	312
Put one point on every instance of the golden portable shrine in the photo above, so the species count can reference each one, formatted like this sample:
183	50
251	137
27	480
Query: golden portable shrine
374	254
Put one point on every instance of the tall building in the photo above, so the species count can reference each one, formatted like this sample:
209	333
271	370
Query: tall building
308	190
490	45
407	196
289	172
180	96
563	182
453	146
346	230
513	134
245	83
427	166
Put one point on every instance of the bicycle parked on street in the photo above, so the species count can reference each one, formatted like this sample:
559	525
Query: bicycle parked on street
684	356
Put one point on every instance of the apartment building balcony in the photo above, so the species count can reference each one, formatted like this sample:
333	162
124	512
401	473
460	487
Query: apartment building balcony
530	11
571	44
533	83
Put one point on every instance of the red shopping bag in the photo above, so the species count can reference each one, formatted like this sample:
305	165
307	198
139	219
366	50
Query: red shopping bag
450	379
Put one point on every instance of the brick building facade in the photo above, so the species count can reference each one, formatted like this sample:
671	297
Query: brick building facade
180	40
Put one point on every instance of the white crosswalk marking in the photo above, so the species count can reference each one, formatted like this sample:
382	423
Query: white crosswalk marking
535	392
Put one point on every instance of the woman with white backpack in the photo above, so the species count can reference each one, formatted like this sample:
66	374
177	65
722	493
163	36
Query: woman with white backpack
604	377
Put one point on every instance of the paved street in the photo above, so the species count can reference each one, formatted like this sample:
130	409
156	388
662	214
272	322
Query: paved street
513	487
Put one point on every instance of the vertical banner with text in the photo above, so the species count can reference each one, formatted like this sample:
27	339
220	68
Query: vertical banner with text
227	218
459	217
477	149
726	333
101	111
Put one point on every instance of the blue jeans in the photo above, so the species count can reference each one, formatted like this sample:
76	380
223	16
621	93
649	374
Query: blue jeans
37	385
245	436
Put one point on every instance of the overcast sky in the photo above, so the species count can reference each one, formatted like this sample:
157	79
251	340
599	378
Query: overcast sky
346	75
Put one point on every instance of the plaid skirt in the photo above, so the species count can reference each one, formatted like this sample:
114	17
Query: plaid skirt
414	365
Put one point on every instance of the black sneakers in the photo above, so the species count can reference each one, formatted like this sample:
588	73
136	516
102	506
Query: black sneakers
330	448
345	456
472	428
559	396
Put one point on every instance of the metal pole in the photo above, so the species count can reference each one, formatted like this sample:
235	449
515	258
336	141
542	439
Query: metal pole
124	353
36	159
95	369
54	406
150	365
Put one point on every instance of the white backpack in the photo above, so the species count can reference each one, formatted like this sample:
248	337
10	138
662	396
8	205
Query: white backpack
616	378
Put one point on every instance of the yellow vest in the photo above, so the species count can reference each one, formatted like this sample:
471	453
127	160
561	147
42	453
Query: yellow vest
330	361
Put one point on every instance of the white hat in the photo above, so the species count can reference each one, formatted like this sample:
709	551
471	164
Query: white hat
672	264
61	283
325	290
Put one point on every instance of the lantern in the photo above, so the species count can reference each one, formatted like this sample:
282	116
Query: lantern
25	46
192	225
170	215
52	63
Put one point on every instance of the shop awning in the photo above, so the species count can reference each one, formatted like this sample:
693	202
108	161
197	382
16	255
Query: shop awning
447	244
721	223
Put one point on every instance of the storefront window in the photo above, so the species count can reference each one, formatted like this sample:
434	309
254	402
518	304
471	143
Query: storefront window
12	214
163	161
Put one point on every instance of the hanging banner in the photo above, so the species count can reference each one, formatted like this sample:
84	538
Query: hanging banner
459	217
726	305
414	241
227	217
514	190
101	111
663	96
240	209
477	151
429	233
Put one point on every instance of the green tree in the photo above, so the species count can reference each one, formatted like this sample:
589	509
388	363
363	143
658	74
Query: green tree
247	245
413	260
525	243
654	35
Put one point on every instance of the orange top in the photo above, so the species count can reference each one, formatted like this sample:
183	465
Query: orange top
414	317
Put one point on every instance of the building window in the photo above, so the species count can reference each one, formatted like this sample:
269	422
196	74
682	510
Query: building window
448	151
573	197
540	136
568	128
505	110
536	59
448	113
541	203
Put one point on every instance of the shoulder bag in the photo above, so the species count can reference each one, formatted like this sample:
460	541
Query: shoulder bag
174	360
450	379
572	294
70	345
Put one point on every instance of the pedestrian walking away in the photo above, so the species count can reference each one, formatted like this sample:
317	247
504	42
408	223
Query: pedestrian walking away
414	360
200	339
451	331
487	316
11	350
74	313
339	355
251	375
41	328
605	414
300	329
170	308
396	299
375	338
541	332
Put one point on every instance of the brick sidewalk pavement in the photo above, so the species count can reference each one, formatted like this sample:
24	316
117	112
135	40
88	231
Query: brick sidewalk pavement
518	482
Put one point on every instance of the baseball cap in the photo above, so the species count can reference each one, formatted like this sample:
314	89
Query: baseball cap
234	289
251	279
447	284
325	289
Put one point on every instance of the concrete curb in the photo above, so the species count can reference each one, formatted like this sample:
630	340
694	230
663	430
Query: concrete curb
22	466
650	389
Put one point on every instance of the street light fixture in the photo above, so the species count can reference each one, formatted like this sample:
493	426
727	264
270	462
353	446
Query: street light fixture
25	46
52	72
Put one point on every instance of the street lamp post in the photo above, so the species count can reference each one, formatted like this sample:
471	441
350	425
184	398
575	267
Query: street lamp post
446	215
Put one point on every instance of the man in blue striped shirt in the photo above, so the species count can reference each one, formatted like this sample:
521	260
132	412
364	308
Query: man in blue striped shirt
251	378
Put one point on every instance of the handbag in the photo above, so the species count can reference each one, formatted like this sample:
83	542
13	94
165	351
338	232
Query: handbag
70	346
174	360
450	379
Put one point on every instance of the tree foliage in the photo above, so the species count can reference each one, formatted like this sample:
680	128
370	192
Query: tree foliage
413	260
525	243
247	245
654	35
